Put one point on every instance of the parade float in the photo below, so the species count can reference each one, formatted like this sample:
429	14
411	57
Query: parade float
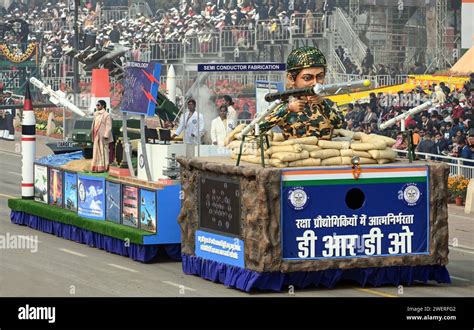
308	211
117	210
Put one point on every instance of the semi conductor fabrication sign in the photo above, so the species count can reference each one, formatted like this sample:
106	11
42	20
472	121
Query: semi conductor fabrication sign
329	214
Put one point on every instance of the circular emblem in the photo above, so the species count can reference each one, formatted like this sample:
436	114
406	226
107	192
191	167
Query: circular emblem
142	161
411	194
298	198
194	121
82	192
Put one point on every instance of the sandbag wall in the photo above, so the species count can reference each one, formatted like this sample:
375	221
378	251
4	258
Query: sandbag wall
309	151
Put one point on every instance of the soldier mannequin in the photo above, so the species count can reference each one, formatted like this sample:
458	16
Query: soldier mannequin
306	115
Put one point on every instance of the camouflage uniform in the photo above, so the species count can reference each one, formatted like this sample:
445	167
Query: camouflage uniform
318	120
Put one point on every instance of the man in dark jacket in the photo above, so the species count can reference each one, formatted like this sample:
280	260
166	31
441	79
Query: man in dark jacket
441	144
426	146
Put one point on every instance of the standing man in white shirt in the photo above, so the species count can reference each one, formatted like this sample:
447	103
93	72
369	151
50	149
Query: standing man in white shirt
192	124
221	126
231	112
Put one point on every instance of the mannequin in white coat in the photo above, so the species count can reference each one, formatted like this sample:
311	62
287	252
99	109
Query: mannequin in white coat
192	124
221	126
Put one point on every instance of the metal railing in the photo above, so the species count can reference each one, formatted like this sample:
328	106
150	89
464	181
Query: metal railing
116	13
238	36
204	44
456	165
339	65
351	40
272	30
166	51
54	24
302	28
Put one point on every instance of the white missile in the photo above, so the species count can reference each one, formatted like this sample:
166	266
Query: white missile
57	97
171	84
402	117
28	147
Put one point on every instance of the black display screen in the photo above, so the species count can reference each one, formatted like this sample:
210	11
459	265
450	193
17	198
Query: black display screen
219	204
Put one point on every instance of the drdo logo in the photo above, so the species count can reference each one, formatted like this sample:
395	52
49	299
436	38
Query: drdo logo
410	194
298	198
82	192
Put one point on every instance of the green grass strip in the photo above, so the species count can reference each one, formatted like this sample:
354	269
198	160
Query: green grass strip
104	175
71	218
352	181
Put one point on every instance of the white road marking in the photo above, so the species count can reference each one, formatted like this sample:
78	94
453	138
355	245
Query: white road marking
178	285
14	173
73	252
465	250
460	278
7	196
10	153
460	216
379	293
124	268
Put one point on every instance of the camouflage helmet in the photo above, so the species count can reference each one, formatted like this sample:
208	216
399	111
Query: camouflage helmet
305	57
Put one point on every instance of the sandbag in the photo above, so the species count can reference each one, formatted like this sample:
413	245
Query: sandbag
354	153
289	148
251	159
333	144
249	145
344	133
290	156
388	153
305	162
278	137
384	161
232	135
309	147
372	145
304	140
325	153
358	135
248	151
388	141
362	161
332	161
277	163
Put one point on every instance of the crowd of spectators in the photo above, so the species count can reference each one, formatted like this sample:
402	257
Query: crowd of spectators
52	22
447	128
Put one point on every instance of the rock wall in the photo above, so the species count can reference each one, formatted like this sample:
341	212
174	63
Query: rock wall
260	215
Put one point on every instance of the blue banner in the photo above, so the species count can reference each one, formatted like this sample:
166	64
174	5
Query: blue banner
329	214
141	85
227	250
239	67
91	197
113	194
70	191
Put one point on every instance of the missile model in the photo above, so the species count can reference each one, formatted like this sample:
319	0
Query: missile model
402	117
318	89
28	146
57	97
171	84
